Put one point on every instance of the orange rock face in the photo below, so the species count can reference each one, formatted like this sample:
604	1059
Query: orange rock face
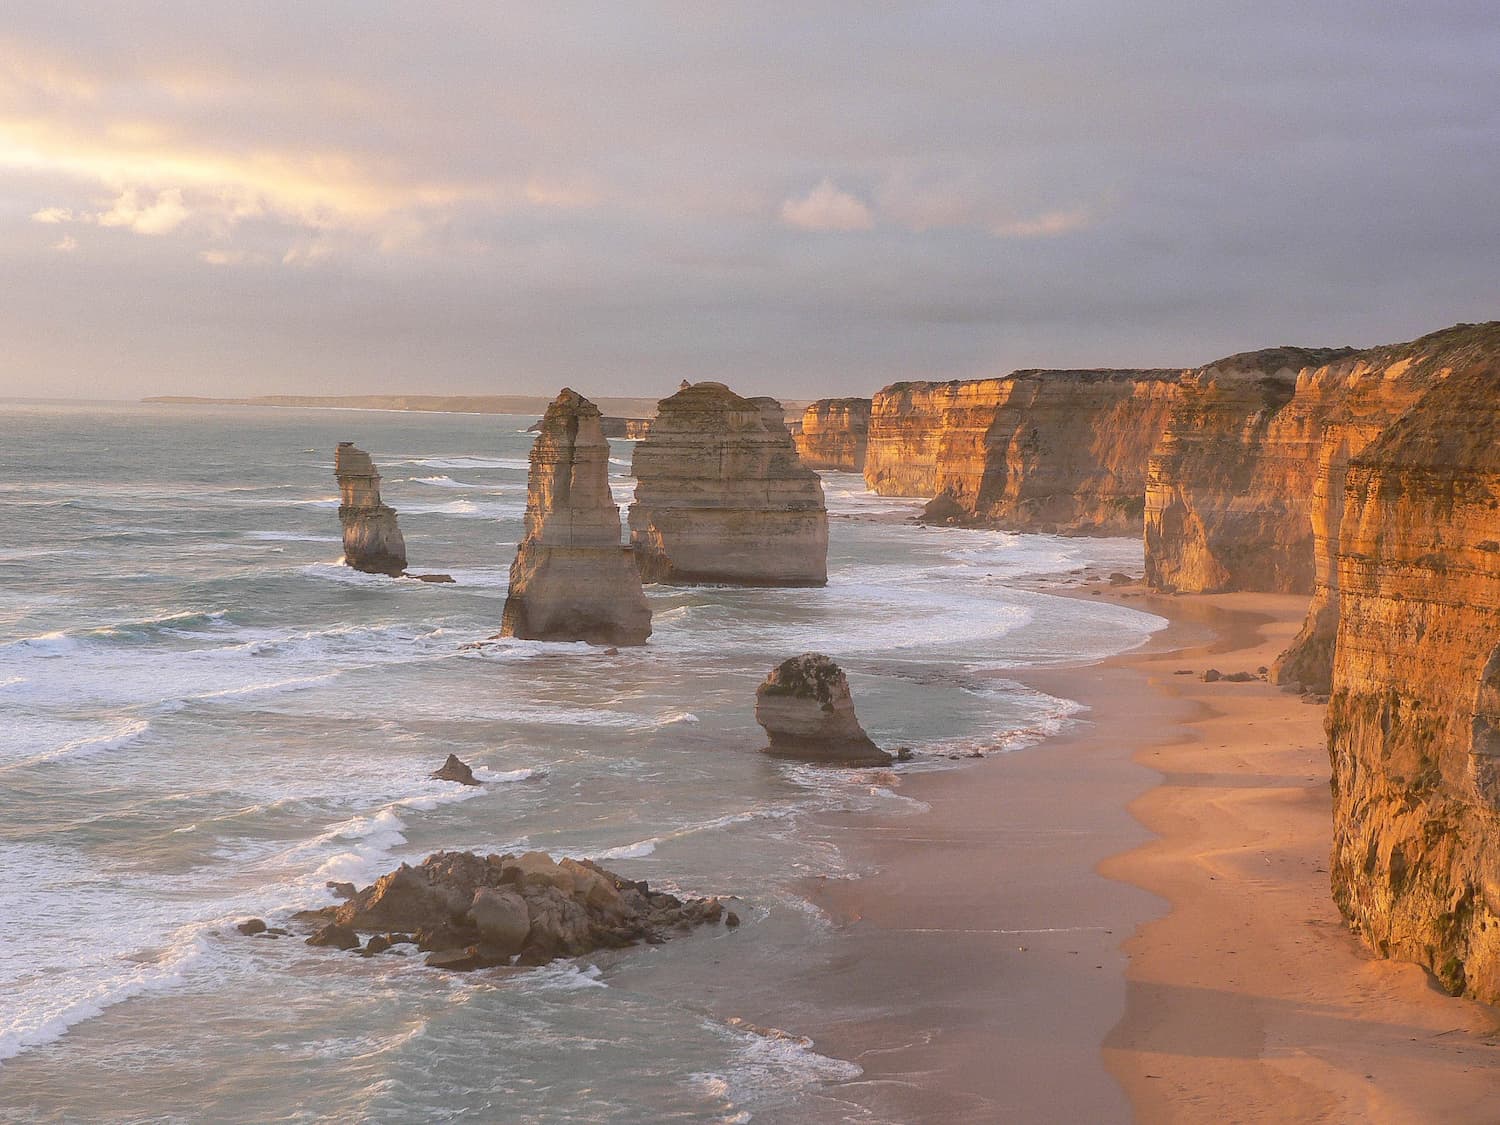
372	541
835	433
1229	486
1414	716
1057	451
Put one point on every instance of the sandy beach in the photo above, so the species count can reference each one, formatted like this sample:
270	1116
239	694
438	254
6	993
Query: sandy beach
1132	920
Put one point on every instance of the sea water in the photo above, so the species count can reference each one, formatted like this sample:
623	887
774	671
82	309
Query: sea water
205	717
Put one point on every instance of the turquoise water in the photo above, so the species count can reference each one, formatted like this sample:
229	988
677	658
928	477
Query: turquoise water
203	716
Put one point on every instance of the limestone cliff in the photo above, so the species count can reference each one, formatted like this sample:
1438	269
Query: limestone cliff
835	433
1057	451
572	580
1414	717
1379	386
1229	486
372	541
721	495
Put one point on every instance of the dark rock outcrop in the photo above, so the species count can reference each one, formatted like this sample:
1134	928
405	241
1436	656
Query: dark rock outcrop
572	580
455	769
470	911
721	495
807	711
372	541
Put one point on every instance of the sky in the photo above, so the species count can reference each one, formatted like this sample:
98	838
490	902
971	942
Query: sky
797	199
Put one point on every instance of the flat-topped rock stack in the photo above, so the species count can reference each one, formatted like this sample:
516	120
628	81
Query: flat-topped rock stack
572	579
835	434
722	497
372	541
807	712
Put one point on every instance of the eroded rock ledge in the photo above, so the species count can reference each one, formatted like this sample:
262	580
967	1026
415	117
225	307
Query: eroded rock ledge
471	912
721	495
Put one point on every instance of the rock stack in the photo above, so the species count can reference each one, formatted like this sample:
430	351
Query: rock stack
807	711
572	580
372	541
835	433
721	495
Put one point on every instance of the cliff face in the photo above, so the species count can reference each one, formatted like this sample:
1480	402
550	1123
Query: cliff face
1059	451
372	541
572	580
1379	386
1414	717
835	434
1229	487
721	495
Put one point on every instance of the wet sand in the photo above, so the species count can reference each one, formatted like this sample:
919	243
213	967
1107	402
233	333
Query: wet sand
1131	921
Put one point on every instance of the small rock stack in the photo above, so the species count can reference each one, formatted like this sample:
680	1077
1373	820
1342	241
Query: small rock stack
806	709
372	541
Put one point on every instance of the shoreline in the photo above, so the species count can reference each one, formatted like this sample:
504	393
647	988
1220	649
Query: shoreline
1131	919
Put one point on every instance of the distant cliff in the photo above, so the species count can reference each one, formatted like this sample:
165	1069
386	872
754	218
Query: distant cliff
1229	486
834	434
450	404
1414	718
1061	451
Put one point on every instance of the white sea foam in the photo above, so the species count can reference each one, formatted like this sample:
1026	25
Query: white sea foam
768	1065
467	462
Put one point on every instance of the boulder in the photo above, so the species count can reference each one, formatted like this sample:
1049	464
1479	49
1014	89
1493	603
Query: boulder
372	541
455	770
572	579
502	919
807	711
336	935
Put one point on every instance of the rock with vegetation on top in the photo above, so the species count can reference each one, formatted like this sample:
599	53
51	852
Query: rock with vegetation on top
372	541
807	711
572	579
721	495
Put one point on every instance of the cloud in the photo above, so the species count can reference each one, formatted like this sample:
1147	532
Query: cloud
52	215
827	208
66	244
165	213
1049	224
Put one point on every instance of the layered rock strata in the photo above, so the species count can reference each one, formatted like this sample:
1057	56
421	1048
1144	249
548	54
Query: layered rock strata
808	713
470	912
721	495
572	580
1414	716
1379	386
1230	485
835	434
1055	451
372	541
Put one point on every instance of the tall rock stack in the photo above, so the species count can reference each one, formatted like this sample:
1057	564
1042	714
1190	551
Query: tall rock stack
835	434
572	579
372	541
721	495
1414	717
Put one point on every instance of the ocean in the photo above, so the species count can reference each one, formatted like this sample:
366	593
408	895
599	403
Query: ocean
205	717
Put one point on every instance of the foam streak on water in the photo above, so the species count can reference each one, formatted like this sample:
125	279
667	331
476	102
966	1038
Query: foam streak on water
206	717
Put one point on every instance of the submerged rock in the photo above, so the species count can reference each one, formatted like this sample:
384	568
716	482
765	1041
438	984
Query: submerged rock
806	709
372	541
472	911
455	769
572	579
721	495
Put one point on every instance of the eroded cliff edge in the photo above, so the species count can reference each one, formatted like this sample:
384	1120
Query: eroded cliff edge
1414	717
1055	451
721	495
